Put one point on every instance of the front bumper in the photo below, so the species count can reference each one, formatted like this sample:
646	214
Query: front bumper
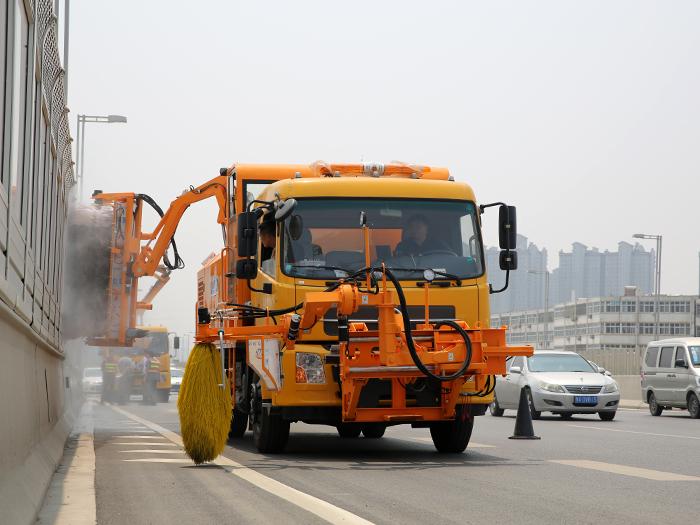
558	402
92	388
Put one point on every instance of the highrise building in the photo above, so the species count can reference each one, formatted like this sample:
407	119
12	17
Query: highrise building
526	289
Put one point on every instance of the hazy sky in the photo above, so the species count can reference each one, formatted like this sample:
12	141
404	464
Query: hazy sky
586	115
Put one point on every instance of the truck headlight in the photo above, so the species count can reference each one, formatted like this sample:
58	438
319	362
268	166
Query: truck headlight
309	368
610	388
550	387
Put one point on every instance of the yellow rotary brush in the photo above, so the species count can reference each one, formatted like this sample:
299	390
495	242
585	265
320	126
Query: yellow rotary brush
204	407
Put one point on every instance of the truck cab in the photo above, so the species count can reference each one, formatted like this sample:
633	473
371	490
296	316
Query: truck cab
425	230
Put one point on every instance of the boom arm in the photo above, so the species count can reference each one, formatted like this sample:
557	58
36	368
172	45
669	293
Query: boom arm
130	259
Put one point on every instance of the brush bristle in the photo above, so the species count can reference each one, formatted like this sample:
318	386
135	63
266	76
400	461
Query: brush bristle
204	407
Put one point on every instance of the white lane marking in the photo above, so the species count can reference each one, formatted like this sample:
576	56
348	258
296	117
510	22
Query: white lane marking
656	475
70	498
159	460
472	444
636	432
319	507
150	451
121	429
142	444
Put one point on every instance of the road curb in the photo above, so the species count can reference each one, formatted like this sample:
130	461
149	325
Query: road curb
71	498
631	404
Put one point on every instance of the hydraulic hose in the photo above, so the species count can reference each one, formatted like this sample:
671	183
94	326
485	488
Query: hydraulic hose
179	263
403	308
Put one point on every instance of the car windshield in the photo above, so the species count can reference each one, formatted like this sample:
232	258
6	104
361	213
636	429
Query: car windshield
558	363
175	372
93	372
323	239
695	355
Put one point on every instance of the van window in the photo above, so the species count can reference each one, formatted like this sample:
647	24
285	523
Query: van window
665	361
652	353
694	355
680	355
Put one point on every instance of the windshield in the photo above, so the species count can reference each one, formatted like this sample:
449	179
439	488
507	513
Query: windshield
156	343
93	372
694	355
324	239
558	363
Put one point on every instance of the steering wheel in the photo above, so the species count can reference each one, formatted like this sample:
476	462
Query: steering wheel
437	252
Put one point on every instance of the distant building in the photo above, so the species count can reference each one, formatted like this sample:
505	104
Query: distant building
612	331
585	272
582	272
526	289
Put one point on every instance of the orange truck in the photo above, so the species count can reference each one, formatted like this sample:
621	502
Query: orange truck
351	295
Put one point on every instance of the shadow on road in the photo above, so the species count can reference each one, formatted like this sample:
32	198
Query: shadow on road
330	452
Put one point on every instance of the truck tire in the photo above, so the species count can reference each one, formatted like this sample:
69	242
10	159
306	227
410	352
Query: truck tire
270	432
239	424
373	430
452	437
163	396
348	430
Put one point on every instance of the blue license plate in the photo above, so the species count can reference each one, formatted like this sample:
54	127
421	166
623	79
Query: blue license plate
585	400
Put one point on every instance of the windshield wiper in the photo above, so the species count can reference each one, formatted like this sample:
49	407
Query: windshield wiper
324	267
445	276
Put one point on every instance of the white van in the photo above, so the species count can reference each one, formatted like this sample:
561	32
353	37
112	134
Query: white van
671	375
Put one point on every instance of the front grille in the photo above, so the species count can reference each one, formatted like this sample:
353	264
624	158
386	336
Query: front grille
583	389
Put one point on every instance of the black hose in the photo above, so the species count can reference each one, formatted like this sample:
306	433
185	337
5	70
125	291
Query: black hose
409	336
179	263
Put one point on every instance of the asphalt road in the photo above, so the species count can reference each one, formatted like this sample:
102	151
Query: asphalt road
636	469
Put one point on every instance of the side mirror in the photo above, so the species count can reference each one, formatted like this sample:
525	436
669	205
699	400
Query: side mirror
507	227
680	363
515	370
285	209
508	260
601	370
247	234
176	343
246	269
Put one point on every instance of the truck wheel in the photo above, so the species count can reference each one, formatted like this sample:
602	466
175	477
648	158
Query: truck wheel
452	437
654	407
693	406
239	424
163	396
348	430
373	430
270	432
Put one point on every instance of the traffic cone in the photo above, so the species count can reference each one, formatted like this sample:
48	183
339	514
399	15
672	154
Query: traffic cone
523	421
204	407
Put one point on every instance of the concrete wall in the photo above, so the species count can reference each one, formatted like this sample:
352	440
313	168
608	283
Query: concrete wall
37	411
630	387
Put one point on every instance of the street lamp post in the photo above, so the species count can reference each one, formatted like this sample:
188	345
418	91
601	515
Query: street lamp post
546	301
657	284
80	147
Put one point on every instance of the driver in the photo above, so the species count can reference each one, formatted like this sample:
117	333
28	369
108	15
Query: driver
415	239
268	241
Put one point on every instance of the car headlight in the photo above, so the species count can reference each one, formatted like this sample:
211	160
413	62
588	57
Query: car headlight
551	387
309	368
610	388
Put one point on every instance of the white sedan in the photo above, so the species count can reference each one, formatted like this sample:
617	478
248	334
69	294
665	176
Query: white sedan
560	382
